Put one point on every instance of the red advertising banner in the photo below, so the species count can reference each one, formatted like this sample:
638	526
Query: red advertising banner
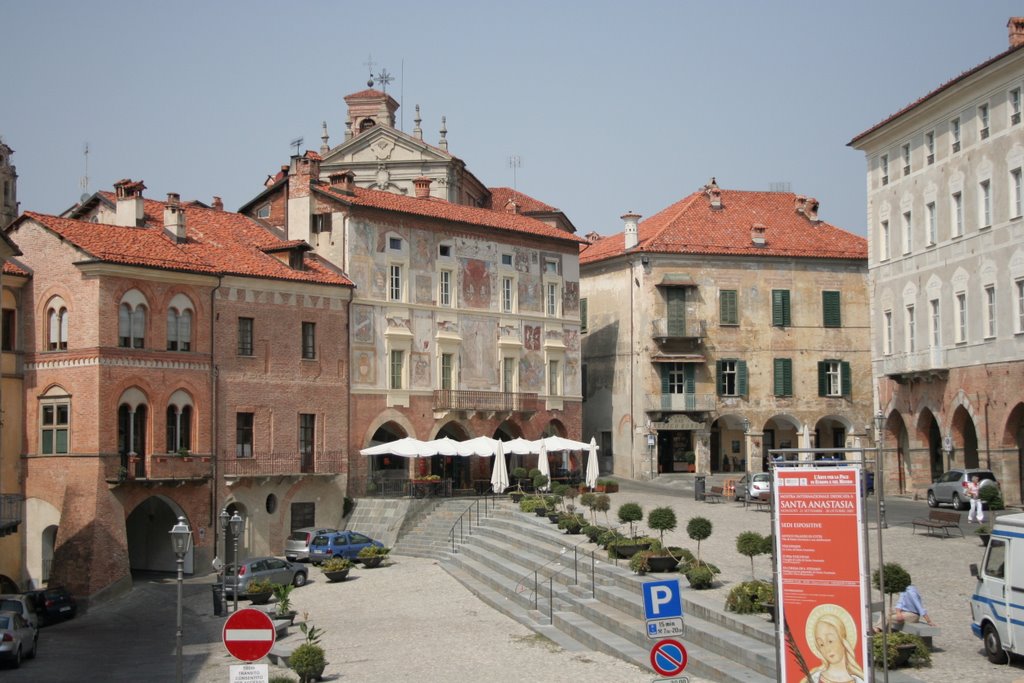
821	594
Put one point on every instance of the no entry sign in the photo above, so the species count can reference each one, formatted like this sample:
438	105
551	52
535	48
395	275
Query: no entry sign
668	657
249	634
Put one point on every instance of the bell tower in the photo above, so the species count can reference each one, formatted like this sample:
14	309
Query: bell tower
8	186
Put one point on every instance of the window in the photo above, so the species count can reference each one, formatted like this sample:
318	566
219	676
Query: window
303	516
954	133
131	326
307	436
552	298
935	328
833	378
883	247
57	326
677	378
395	282
508	375
506	260
1015	106
550	267
910	329
728	307
732	377
507	294
990	311
908	232
583	316
446	370
320	222
985	205
958	214
1020	304
396	369
887	333
830	309
444	250
905	152
179	428
783	377
243	435
245	347
1015	193
933	230
54	419
961	317
675	311
263	211
884	164
929	146
983	121
444	296
179	330
554	380
308	341
7	330
780	308
395	243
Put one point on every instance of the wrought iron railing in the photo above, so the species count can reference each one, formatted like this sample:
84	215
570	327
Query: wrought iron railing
270	464
493	401
12	507
679	329
682	402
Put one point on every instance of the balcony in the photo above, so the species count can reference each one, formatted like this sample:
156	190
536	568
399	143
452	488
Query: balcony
12	507
669	330
681	403
283	464
159	467
485	401
930	362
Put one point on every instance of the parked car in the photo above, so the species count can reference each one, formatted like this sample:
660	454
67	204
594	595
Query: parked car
345	544
22	604
750	488
272	569
951	487
52	604
296	548
18	638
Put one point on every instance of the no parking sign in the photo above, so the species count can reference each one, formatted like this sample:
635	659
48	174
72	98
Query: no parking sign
668	657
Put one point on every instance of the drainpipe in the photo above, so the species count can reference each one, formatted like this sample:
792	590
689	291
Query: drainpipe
632	361
213	417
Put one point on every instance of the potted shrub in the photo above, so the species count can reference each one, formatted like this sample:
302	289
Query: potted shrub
698	529
752	544
336	569
259	591
602	503
308	660
902	649
896	580
751	597
530	503
540	482
283	608
606	486
630	513
571	522
372	556
700	576
690	459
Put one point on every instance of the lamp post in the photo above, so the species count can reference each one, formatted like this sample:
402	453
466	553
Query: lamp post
224	518
879	468
746	453
237	525
181	541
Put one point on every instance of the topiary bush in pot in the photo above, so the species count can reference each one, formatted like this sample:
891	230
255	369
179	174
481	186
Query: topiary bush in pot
698	529
662	519
896	579
630	513
751	544
750	597
700	577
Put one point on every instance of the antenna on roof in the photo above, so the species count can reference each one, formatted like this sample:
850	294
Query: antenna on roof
84	182
296	143
779	186
514	162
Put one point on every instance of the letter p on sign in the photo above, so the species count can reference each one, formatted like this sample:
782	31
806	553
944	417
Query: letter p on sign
662	600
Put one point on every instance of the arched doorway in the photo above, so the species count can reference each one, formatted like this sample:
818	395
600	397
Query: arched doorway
966	436
149	545
8	585
49	542
457	468
928	431
1013	438
508	431
830	432
895	447
387	466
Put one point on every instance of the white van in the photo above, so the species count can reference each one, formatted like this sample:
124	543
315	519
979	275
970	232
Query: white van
997	605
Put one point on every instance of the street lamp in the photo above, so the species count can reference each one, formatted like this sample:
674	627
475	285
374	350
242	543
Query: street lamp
237	525
181	541
224	519
879	468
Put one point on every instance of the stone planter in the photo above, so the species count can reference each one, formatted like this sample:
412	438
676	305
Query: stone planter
541	512
260	598
371	562
335	577
666	563
627	550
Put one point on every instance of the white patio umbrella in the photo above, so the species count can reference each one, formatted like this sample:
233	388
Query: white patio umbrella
442	446
406	448
560	443
520	446
483	446
592	469
542	465
499	473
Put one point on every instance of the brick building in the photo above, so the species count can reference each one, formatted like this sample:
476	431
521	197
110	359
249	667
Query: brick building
12	500
177	359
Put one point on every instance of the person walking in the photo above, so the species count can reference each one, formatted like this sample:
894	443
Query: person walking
976	514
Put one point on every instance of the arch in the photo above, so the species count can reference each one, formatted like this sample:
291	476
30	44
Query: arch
555	428
8	585
133	397
146	529
180	398
727	445
929	433
181	302
965	437
41	523
131	320
388	465
1013	440
894	460
180	314
56	319
831	431
458	469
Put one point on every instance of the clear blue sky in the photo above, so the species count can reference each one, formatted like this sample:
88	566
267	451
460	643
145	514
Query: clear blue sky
611	106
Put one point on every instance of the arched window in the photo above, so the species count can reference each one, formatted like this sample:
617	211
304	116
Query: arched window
54	422
179	324
179	428
57	325
131	320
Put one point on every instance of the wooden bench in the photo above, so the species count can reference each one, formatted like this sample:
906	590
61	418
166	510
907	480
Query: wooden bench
715	495
940	519
763	501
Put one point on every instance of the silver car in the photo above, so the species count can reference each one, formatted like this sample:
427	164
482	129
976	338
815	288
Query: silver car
20	603
296	548
18	638
272	569
951	487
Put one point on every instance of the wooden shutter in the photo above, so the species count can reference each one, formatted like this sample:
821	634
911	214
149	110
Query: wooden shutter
741	377
718	377
728	307
689	378
676	299
846	381
831	311
583	315
664	367
783	377
822	378
780	307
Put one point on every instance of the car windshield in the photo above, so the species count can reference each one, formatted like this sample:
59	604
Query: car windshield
298	536
10	606
5	622
321	540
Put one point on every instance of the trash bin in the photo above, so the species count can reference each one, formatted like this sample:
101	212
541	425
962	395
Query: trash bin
218	600
698	486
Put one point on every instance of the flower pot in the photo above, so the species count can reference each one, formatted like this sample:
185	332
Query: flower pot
335	577
627	550
553	517
903	654
541	512
666	563
516	497
371	562
260	598
984	538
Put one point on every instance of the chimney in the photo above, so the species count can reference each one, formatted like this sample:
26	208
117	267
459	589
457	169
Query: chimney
218	203
174	217
422	185
308	166
714	194
129	212
758	235
630	236
1016	26
343	181
801	202
511	206
811	209
592	236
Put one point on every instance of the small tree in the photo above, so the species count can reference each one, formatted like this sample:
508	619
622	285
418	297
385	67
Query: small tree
603	503
662	519
751	544
698	528
587	501
540	482
991	498
896	579
519	473
630	513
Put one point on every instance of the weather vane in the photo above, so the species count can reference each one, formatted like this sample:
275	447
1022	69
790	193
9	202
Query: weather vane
383	79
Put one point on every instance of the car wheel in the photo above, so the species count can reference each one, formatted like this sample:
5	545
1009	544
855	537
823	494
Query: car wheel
932	502
957	505
300	579
993	646
35	647
16	662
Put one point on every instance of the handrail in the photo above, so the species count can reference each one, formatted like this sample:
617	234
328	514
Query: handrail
489	504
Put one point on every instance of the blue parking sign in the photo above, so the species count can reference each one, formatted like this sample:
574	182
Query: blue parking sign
662	599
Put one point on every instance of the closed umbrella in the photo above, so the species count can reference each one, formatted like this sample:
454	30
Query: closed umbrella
542	465
592	469
499	474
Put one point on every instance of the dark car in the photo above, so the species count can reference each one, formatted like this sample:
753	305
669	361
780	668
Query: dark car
345	544
272	569
52	604
951	487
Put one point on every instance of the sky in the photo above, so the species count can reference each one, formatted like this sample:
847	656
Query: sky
610	107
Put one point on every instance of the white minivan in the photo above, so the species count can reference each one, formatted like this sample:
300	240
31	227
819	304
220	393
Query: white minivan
997	605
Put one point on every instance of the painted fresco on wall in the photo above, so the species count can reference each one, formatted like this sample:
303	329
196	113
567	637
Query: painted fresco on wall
529	293
475	283
362	324
422	330
531	337
424	293
423	250
570	378
362	237
571	298
366	364
478	358
531	372
571	339
421	370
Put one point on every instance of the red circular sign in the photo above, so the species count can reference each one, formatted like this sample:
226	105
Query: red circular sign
668	657
249	634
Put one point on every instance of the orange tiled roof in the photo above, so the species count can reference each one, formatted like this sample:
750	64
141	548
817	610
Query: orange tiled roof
500	196
444	210
219	243
11	268
691	226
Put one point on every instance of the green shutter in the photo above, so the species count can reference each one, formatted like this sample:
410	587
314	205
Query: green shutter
689	378
583	315
741	379
844	378
831	312
780	308
728	307
676	299
664	367
822	378
783	377
718	377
